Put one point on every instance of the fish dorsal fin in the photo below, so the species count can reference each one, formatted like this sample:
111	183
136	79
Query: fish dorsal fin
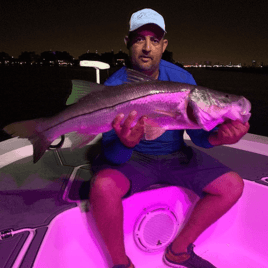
80	89
137	77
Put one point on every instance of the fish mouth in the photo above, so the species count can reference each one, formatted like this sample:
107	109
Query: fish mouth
190	114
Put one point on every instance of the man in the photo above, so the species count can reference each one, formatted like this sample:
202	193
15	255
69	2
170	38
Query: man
127	163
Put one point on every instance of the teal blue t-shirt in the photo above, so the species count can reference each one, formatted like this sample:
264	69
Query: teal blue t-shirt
171	141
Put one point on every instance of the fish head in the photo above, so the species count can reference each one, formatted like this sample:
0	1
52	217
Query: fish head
211	107
216	102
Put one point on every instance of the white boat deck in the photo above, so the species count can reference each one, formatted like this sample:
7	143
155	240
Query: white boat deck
44	223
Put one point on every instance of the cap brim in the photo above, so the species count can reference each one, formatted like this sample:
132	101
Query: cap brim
151	27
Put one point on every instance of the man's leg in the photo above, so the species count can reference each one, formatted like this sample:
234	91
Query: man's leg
222	194
106	192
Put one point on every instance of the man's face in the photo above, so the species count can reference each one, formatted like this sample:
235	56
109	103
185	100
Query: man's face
146	50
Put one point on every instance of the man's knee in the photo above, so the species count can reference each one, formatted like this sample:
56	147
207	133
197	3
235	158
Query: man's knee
110	181
229	184
237	184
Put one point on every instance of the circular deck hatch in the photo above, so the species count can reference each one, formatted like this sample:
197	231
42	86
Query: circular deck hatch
155	228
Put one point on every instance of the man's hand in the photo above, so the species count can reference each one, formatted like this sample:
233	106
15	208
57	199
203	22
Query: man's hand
229	132
127	135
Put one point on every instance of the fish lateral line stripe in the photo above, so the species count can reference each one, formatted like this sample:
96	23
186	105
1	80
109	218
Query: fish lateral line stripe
109	107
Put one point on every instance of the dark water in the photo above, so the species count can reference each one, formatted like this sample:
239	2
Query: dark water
32	92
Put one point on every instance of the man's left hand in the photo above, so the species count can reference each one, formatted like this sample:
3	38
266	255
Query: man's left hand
229	132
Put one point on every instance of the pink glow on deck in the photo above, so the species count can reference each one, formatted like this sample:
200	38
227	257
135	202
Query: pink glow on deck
237	240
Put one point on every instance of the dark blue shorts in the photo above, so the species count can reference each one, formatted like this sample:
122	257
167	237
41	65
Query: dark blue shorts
189	168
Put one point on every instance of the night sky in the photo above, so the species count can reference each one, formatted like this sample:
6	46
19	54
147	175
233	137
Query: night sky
219	31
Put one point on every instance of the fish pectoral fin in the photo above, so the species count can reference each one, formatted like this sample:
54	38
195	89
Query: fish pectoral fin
171	114
79	140
152	130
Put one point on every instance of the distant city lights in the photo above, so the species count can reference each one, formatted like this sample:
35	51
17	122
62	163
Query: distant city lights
63	58
212	66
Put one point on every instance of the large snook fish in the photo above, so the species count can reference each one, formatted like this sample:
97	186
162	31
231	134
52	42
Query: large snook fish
168	106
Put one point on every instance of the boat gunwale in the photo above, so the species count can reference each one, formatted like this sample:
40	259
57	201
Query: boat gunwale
14	149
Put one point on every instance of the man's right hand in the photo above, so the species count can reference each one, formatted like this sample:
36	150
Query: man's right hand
130	137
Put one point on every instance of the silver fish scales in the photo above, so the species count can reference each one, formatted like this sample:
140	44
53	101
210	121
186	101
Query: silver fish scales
168	106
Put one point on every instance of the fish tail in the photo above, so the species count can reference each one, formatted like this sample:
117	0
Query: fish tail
22	129
28	129
40	145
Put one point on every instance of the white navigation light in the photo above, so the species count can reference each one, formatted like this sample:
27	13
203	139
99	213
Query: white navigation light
98	65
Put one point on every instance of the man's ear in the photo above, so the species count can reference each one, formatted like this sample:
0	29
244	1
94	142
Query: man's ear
126	40
165	43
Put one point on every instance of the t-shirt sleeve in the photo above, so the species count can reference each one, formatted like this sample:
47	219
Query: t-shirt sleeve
172	72
118	78
200	137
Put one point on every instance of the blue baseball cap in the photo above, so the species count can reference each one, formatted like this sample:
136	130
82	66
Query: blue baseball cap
146	16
